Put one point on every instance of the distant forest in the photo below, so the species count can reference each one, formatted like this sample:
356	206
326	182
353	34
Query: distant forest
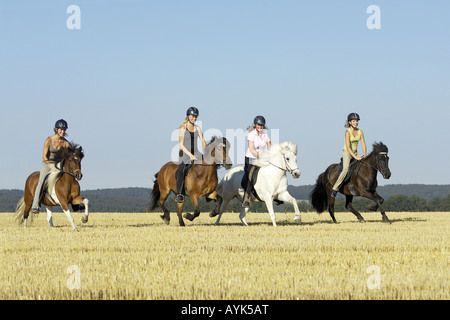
413	197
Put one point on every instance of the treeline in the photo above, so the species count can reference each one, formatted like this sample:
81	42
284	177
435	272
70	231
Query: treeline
138	200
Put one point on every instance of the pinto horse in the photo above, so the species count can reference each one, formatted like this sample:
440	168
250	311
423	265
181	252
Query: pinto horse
60	188
362	183
201	180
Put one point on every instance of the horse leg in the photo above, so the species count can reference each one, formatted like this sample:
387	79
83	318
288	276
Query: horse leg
269	204
331	207
349	206
242	216
223	205
64	205
179	213
189	216
378	200
286	197
49	217
215	196
85	217
166	213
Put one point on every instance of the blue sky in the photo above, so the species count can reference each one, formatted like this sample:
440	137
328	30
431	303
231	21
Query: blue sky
125	79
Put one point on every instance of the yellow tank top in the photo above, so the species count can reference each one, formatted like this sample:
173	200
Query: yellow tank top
353	140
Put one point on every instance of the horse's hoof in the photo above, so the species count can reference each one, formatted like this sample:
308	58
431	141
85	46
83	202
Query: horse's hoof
189	216
213	214
84	219
362	220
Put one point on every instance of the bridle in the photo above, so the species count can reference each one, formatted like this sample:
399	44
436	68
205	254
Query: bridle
287	167
71	172
377	167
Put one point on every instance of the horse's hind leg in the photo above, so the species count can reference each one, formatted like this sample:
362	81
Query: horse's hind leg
166	213
349	206
331	208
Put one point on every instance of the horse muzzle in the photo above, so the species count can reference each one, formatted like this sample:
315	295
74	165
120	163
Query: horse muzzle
386	174
78	176
296	173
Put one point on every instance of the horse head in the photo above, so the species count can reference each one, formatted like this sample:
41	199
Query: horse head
382	159
289	152
217	152
71	158
282	156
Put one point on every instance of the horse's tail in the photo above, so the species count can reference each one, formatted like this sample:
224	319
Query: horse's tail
20	212
154	197
319	196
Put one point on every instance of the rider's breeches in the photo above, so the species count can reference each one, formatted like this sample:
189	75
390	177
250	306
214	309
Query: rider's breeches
45	170
346	157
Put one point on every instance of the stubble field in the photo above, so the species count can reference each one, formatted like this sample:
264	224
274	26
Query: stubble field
136	256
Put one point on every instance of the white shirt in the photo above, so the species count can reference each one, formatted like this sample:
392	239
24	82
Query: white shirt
260	142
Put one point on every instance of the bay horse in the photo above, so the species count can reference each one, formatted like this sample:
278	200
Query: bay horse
271	182
60	188
201	180
362	183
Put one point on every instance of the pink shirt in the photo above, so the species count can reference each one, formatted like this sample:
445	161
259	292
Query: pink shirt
260	142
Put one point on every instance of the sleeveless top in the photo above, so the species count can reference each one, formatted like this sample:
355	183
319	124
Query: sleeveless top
190	143
51	151
353	140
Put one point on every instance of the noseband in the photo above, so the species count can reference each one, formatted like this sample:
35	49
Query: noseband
287	167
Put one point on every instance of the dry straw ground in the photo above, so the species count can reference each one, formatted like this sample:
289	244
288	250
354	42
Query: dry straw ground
136	256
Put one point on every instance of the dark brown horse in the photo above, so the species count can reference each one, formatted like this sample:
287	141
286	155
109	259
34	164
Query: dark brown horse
363	182
201	180
60	188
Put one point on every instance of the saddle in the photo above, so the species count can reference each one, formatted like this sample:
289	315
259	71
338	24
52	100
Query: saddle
251	177
185	172
353	169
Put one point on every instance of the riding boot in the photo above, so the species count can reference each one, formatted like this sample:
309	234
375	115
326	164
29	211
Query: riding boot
247	191
180	183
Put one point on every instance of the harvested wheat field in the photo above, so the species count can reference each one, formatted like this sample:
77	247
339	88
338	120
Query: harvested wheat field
136	256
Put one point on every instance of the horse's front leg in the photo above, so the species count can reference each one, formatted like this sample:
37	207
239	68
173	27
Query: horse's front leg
349	206
85	217
269	204
378	200
286	197
215	196
179	213
66	210
49	217
189	216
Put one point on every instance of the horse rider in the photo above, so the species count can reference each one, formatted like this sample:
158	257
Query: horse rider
188	135
258	140
51	146
352	136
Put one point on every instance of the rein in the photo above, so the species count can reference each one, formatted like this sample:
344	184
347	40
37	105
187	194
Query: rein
288	169
377	169
72	173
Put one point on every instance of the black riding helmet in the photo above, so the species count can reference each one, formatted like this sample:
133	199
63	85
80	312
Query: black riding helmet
259	120
352	116
192	111
61	124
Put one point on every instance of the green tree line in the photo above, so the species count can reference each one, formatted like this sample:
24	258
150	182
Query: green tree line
138	199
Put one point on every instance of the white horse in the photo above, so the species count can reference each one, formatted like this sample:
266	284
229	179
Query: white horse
271	183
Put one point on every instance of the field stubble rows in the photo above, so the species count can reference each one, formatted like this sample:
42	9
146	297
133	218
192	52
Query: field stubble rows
136	256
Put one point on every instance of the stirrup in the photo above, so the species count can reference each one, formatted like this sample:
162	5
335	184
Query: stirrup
179	198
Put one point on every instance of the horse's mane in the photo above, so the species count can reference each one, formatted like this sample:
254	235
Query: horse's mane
274	150
379	147
65	153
